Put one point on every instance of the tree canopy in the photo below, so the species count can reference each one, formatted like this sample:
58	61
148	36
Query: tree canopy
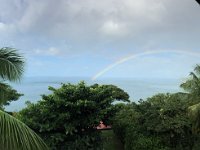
67	118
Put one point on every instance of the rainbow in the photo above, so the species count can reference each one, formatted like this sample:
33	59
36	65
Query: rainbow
146	53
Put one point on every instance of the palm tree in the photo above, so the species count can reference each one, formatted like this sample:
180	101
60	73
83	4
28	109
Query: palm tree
14	135
11	68
192	86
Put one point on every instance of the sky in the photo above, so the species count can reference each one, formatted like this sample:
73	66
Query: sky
100	39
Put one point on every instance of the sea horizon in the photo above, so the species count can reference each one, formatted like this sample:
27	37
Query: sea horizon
137	88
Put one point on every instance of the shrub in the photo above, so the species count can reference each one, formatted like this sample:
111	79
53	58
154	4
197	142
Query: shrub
66	119
161	122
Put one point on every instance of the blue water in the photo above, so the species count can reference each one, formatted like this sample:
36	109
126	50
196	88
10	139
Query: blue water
34	87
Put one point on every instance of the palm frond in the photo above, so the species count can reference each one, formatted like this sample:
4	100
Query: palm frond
194	76
197	69
15	135
192	84
188	85
11	64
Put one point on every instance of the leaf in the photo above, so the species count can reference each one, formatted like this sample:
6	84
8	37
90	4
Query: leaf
11	64
15	135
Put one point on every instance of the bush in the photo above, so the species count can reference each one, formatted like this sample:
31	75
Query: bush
161	122
66	119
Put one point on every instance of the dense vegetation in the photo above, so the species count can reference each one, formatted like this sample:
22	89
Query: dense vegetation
164	121
67	118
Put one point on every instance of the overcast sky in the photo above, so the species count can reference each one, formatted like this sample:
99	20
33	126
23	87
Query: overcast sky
83	37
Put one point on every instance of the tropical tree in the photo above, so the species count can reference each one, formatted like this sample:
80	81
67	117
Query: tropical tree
13	133
192	86
66	118
158	123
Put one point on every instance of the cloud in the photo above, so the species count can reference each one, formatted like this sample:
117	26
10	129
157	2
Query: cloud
68	18
113	29
11	10
52	51
6	29
92	25
80	18
95	33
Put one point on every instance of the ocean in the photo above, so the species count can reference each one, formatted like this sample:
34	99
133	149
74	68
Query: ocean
34	87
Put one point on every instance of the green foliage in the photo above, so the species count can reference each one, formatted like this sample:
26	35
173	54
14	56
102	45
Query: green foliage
126	117
7	94
110	141
192	86
14	135
12	64
67	118
11	68
164	121
142	142
194	114
160	122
